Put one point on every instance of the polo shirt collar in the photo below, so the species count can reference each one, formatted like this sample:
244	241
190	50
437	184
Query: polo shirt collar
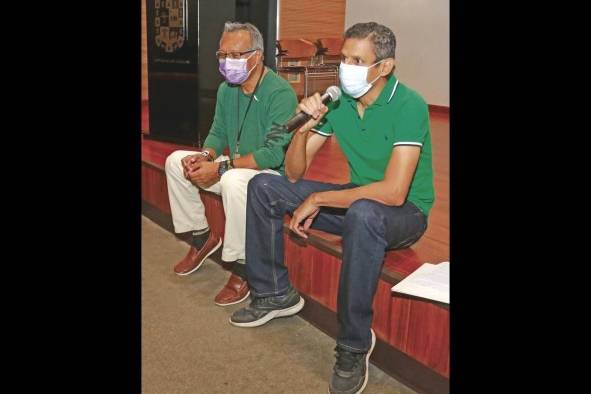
388	92
385	96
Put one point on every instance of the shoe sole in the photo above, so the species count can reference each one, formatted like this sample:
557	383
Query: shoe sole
235	302
202	260
292	310
373	343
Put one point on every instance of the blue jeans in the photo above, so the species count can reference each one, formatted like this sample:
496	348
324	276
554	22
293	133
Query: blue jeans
368	228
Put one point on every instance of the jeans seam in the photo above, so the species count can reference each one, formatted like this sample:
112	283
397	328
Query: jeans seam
273	255
285	201
353	348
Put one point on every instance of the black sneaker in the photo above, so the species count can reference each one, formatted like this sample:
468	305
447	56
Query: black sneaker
350	371
261	310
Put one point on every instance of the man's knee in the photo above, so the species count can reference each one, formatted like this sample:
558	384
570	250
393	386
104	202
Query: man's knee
262	181
230	179
173	161
234	181
365	213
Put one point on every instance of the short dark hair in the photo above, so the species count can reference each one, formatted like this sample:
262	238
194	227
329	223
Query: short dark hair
383	39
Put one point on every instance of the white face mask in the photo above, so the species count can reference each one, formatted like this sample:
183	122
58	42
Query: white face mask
354	79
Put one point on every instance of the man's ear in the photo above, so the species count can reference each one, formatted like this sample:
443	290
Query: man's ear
387	67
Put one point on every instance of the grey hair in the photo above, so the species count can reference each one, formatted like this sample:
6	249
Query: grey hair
256	38
383	39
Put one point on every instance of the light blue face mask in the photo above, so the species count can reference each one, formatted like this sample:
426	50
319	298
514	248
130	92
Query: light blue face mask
354	79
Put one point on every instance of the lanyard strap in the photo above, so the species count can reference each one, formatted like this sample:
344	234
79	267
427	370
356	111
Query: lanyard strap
247	108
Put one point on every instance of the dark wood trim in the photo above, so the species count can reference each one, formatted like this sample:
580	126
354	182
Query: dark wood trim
312	240
153	165
440	109
411	297
390	277
395	363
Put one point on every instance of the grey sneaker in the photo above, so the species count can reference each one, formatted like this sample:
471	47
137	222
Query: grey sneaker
350	371
261	310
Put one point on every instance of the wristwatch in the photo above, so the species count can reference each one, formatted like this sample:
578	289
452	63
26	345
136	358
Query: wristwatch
206	155
222	168
225	166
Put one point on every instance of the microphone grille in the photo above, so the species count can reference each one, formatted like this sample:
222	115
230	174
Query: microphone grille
334	92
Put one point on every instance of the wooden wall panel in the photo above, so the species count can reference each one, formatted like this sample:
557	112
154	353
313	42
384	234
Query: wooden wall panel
311	19
154	189
214	212
381	307
428	335
399	313
299	267
315	274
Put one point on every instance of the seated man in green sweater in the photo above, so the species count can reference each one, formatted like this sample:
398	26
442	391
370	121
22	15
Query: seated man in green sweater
250	101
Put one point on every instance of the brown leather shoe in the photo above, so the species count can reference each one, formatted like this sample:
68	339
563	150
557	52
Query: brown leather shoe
195	258
235	291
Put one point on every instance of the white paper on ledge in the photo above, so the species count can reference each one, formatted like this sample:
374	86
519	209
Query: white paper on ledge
428	281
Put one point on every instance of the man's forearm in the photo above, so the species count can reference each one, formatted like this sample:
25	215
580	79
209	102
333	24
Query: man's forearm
246	161
295	157
378	191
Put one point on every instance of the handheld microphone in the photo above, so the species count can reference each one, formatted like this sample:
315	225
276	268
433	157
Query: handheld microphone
333	93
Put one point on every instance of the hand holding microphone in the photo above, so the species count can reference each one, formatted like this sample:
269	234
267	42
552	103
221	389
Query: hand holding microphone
312	109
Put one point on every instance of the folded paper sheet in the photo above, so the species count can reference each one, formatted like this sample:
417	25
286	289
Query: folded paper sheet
428	281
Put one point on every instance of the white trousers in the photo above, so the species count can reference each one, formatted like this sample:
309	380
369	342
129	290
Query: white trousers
188	212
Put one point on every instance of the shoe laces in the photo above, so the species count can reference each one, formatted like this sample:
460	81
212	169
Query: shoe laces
266	301
346	361
259	302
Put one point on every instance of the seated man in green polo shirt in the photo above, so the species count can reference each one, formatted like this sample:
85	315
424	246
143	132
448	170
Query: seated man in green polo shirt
382	126
250	100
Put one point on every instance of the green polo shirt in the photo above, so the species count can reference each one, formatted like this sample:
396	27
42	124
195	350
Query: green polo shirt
399	116
273	102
